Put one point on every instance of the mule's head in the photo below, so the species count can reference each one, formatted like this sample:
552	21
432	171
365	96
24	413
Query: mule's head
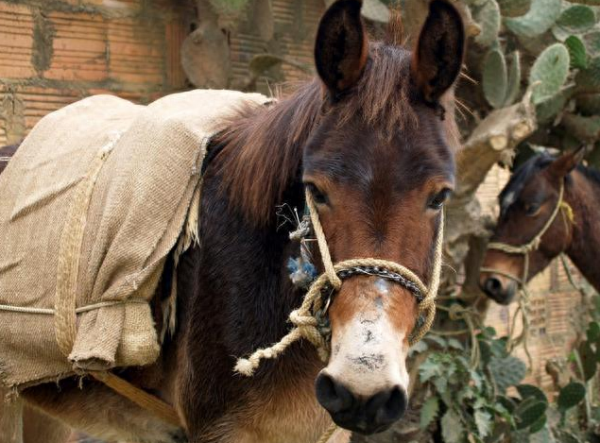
380	166
526	204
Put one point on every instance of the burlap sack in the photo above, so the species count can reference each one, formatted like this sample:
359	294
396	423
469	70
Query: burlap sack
90	206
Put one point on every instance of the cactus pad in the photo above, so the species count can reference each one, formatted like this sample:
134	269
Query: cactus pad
551	69
488	19
506	372
571	395
539	19
494	78
530	413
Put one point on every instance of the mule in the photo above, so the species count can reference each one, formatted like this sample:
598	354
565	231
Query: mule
527	203
373	138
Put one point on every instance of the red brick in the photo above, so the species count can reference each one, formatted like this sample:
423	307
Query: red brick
136	52
80	47
16	41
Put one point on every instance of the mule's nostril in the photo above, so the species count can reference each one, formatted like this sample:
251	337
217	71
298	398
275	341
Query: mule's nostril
492	286
387	406
395	406
333	396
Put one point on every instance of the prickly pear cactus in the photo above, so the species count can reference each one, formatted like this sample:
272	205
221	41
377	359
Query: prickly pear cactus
571	395
506	372
530	412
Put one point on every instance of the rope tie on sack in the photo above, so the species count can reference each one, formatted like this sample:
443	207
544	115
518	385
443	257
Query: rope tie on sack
310	319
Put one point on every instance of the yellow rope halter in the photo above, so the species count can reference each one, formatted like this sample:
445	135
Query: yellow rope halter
307	318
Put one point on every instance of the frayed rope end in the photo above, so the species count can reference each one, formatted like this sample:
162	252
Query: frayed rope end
244	367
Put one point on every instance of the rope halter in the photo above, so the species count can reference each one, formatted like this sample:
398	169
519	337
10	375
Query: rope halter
534	244
310	320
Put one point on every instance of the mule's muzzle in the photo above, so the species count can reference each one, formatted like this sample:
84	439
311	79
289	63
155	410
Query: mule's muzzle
365	415
498	289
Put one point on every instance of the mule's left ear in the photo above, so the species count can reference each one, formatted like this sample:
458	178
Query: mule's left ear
567	162
342	47
438	57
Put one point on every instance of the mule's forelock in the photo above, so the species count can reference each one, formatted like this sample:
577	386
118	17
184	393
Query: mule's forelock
516	184
394	35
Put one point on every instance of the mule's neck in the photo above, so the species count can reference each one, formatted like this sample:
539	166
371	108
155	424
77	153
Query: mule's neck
583	194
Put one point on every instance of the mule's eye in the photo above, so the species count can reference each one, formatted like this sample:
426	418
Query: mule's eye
318	196
437	201
532	208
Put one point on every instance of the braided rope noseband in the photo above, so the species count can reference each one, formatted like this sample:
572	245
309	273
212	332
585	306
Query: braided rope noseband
310	320
532	245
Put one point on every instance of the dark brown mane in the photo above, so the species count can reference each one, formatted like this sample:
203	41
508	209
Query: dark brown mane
263	148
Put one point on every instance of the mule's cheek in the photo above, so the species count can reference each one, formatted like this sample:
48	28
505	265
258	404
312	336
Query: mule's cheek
369	355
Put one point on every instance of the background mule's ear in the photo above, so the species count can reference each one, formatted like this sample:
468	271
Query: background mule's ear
341	48
567	162
438	56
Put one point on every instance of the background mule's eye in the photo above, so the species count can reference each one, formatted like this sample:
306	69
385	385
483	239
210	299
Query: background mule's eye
319	197
532	208
437	201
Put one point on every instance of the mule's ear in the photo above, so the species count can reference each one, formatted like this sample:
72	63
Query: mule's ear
342	47
438	56
567	162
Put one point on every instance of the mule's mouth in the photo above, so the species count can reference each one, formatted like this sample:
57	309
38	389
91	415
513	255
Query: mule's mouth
362	427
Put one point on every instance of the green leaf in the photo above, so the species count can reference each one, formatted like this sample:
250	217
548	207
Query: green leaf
441	384
494	78
506	402
514	79
488	18
571	395
452	427
429	369
483	421
530	391
576	19
529	413
577	52
429	411
540	17
551	68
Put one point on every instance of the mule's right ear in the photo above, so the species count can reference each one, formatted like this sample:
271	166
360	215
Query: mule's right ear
438	57
567	162
342	47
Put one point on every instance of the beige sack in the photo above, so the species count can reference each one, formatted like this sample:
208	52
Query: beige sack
90	206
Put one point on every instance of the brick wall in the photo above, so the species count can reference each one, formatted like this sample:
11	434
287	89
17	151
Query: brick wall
54	52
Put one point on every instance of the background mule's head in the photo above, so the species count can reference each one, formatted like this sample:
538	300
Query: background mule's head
380	166
526	205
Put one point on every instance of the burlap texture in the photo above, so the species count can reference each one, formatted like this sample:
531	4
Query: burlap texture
90	206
